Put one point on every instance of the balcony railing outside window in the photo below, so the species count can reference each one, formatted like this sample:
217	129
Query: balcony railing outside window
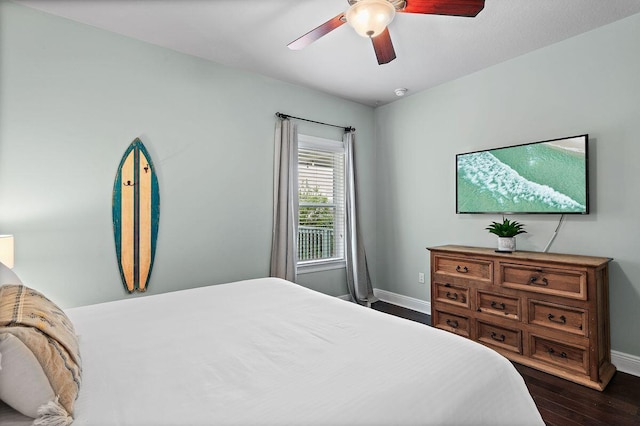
315	243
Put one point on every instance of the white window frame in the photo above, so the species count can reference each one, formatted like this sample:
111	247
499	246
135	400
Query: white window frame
310	266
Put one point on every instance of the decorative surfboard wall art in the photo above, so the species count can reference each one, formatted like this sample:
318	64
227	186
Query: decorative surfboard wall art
136	213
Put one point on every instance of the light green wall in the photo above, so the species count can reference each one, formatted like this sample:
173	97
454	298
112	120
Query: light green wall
73	97
587	84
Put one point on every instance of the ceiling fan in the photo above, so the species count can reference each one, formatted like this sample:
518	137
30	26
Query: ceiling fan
370	19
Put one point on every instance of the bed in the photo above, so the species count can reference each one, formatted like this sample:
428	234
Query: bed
270	352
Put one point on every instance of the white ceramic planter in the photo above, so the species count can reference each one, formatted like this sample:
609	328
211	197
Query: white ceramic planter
507	244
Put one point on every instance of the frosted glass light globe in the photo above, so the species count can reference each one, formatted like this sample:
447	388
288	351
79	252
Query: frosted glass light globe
370	17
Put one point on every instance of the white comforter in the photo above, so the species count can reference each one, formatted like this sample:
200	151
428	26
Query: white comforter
269	352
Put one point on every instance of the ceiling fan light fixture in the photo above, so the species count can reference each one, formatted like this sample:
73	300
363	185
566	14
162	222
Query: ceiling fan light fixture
370	17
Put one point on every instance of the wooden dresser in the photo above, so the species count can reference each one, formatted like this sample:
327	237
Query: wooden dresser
547	311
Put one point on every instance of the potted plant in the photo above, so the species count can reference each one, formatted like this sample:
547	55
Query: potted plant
506	232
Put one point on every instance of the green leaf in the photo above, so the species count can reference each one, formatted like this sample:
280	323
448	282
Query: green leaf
506	229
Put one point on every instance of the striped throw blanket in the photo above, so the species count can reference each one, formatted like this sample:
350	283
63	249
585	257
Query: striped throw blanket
48	333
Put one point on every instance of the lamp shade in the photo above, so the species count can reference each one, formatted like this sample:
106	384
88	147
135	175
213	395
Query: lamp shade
6	250
370	17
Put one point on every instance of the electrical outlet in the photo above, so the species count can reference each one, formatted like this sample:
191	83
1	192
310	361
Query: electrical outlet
421	277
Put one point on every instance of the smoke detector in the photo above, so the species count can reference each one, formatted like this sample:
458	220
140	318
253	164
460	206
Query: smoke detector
400	91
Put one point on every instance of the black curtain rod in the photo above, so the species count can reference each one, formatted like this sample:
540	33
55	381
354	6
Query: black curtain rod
285	116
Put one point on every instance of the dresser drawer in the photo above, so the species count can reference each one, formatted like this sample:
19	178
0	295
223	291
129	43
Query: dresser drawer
452	294
501	337
567	357
499	305
460	267
454	323
559	317
559	282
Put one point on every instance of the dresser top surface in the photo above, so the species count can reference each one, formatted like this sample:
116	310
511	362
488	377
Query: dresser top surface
591	261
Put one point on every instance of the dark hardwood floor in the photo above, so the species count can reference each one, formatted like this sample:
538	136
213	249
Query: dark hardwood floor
559	401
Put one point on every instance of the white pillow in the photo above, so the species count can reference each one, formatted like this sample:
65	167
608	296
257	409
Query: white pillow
23	384
7	276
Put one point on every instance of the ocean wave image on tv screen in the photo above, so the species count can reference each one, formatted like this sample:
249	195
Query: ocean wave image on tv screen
537	178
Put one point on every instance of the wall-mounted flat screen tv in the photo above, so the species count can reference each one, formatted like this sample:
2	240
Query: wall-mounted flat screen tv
540	177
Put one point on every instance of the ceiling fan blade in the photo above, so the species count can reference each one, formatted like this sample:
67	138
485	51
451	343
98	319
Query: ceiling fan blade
383	47
318	32
468	8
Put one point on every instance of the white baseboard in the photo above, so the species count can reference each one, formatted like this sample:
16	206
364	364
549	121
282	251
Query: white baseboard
626	363
404	301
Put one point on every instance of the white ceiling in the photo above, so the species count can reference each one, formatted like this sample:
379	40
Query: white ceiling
253	35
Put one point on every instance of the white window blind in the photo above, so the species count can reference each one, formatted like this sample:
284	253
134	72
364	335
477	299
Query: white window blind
321	200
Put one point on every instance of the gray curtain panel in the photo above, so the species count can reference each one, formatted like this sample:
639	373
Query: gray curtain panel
358	279
284	243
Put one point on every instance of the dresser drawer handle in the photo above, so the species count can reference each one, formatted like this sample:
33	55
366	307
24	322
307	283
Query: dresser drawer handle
462	270
452	323
561	320
453	296
534	280
496	305
497	338
561	354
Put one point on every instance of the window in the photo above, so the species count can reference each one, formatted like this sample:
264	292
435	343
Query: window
321	164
